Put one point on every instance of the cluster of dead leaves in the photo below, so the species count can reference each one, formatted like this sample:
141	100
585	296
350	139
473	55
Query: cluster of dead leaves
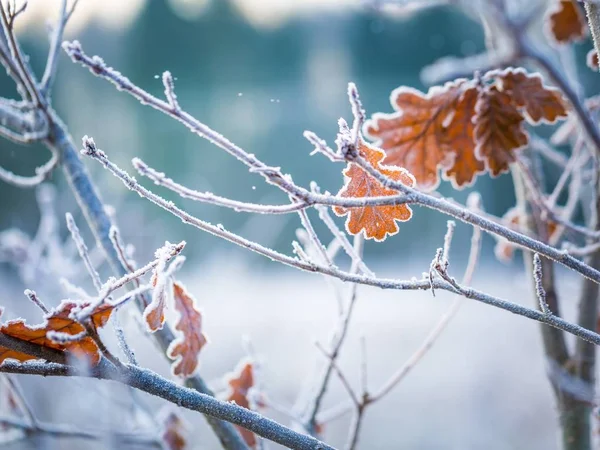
465	127
184	350
60	320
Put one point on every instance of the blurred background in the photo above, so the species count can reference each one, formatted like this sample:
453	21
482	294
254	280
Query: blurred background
261	72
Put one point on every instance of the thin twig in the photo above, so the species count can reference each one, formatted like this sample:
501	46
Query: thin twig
339	336
55	42
539	288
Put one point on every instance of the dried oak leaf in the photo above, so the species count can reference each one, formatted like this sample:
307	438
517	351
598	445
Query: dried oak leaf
460	138
376	221
240	382
567	23
539	103
498	130
425	131
184	350
58	320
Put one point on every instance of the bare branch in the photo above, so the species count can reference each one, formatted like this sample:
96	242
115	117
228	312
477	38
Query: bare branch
161	179
25	75
55	42
148	381
539	288
169	84
31	295
83	251
338	338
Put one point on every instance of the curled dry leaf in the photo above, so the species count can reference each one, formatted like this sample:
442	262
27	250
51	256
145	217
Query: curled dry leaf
425	129
185	349
539	103
154	313
377	221
498	130
240	381
58	320
567	22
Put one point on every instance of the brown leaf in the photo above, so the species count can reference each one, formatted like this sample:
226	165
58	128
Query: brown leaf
184	350
498	130
58	320
240	382
459	137
424	132
567	23
376	221
174	431
540	103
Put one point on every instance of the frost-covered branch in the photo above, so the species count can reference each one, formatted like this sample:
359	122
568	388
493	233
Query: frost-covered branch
310	422
276	177
383	283
152	383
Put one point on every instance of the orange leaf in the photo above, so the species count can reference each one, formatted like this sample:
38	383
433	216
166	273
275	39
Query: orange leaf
459	136
184	350
58	320
101	315
376	221
540	103
567	23
426	130
498	130
240	382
